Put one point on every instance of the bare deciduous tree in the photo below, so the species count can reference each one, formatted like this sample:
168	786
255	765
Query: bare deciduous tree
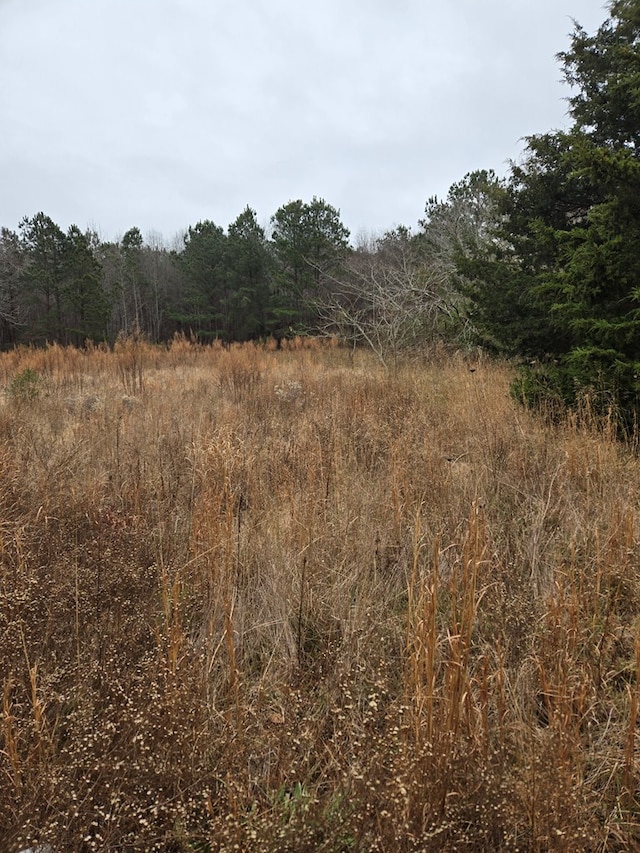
388	297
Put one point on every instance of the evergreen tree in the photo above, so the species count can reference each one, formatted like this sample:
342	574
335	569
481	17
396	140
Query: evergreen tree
597	286
86	308
248	261
203	262
44	276
566	288
309	242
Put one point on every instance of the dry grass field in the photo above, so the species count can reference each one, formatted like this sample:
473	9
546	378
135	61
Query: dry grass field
259	600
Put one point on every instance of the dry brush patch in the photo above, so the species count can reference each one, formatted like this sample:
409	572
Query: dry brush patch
269	600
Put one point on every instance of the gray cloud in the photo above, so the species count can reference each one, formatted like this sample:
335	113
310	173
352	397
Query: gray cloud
163	112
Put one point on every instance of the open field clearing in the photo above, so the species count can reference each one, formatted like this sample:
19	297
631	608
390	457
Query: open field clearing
272	600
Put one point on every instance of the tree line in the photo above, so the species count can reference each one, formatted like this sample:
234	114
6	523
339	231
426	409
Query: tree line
541	266
235	284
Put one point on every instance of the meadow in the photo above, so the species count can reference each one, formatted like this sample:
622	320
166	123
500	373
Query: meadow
280	600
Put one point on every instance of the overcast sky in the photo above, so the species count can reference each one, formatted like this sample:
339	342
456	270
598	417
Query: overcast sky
160	113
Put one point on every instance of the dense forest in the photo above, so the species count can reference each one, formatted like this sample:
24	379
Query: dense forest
541	266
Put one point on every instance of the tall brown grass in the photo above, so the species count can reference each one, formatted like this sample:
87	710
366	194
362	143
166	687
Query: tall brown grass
279	600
